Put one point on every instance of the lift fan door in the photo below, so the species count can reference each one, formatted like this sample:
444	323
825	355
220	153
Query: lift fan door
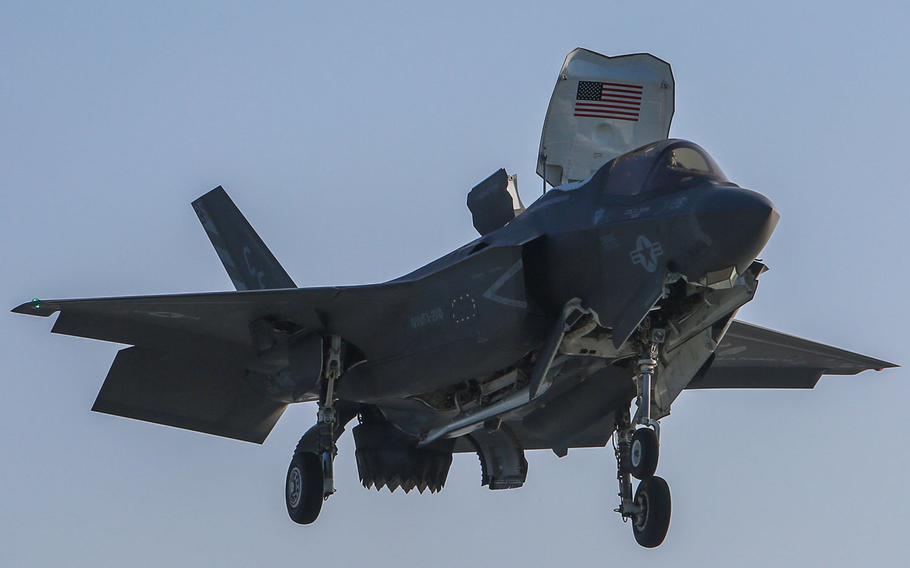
603	107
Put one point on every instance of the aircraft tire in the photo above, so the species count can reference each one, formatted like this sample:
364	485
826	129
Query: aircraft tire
650	526
303	488
643	453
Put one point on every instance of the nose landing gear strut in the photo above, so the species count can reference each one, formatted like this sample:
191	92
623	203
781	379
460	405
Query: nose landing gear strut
637	449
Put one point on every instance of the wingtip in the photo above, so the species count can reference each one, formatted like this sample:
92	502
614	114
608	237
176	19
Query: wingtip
35	308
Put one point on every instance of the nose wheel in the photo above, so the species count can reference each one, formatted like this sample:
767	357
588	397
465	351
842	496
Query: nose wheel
643	453
637	450
652	520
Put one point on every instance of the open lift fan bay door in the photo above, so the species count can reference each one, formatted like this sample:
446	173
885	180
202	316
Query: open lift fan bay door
603	107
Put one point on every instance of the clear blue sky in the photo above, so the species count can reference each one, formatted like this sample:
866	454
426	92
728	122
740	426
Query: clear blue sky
349	135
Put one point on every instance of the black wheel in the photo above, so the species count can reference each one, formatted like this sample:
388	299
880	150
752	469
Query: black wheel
651	523
303	489
643	453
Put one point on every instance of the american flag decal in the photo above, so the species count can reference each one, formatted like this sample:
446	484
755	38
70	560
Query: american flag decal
616	101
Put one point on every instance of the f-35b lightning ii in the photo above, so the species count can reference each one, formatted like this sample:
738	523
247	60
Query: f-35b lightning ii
620	284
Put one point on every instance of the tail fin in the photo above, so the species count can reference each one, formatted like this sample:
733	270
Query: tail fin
249	263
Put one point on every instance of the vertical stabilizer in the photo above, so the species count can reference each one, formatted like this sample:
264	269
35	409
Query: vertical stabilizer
249	263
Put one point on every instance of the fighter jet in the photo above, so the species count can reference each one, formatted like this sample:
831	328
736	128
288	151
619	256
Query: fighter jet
619	285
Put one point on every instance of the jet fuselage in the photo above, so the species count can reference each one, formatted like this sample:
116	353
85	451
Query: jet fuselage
484	307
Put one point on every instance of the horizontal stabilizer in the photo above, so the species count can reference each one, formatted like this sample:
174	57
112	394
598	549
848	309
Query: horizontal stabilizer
196	388
750	356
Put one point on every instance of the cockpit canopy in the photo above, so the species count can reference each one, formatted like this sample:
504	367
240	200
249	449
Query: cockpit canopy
659	168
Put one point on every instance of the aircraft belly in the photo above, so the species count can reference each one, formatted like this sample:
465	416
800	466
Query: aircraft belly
556	420
435	367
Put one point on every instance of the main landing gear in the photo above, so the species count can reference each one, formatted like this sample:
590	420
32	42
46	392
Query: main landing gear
637	451
310	478
304	491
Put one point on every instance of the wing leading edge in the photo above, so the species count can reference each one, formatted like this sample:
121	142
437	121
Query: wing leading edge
225	317
755	357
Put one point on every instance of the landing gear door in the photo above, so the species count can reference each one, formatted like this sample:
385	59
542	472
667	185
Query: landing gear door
602	107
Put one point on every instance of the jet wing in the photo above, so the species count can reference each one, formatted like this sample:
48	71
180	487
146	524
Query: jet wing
223	317
754	357
190	351
187	367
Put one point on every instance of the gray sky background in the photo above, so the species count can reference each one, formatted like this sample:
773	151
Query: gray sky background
349	134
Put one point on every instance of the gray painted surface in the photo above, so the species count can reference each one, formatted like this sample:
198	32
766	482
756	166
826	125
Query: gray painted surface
116	120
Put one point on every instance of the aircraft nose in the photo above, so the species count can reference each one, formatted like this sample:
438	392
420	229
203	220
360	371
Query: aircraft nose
738	222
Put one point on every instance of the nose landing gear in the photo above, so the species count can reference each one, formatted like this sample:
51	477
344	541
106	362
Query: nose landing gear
643	453
652	520
637	449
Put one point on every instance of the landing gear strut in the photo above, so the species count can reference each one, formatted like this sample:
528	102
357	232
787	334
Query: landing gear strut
310	479
637	450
